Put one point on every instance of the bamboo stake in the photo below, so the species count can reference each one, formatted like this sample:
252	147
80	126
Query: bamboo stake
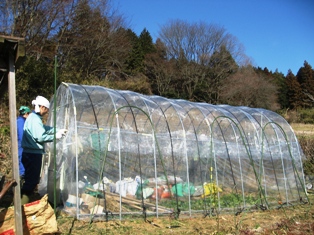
132	201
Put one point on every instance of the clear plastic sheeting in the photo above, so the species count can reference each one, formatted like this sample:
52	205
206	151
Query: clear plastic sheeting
127	154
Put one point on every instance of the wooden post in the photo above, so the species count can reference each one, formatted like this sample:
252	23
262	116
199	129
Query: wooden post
14	146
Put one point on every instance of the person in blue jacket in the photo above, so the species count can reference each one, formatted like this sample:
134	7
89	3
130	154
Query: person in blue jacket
36	134
24	111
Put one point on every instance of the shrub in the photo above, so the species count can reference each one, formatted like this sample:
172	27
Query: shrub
307	145
307	116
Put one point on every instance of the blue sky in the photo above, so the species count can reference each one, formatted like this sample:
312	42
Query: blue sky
277	34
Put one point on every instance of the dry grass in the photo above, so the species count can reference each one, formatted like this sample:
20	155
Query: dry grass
303	129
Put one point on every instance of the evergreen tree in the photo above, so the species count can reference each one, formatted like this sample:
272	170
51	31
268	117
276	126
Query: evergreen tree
134	62
305	77
294	91
141	46
221	65
34	77
280	81
146	42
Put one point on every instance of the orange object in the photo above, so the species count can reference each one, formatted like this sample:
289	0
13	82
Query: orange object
159	192
166	192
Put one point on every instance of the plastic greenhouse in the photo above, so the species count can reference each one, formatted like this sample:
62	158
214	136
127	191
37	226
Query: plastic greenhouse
128	154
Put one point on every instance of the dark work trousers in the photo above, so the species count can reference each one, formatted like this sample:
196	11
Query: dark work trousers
32	164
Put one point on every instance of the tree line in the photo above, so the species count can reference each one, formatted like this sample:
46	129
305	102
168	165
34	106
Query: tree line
89	42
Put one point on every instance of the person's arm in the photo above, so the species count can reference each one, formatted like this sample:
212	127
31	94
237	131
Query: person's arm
49	130
39	132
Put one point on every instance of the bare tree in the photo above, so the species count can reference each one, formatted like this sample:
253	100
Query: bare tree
43	22
37	21
206	55
247	88
198	41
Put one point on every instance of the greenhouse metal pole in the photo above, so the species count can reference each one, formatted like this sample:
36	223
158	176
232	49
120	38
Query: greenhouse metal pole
54	142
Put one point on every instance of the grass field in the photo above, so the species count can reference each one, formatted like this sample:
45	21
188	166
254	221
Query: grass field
303	129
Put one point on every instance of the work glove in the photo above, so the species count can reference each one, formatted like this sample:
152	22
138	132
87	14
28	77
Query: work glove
61	133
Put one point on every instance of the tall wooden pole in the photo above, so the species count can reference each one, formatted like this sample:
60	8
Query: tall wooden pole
14	146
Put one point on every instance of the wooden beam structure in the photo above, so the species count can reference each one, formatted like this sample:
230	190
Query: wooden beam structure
12	51
8	45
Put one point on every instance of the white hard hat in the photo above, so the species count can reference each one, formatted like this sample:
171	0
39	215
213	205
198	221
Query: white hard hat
40	100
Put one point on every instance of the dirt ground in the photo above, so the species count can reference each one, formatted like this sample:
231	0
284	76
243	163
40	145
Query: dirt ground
287	220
